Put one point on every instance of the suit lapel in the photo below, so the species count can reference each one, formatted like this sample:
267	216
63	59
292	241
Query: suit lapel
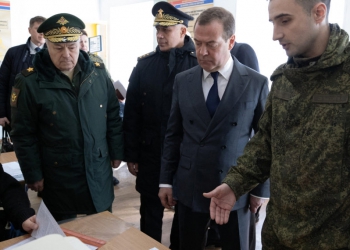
196	94
236	85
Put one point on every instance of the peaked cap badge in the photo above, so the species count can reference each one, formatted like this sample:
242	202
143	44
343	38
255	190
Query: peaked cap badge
160	13
62	21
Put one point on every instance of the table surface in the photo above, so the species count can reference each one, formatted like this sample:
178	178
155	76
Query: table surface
8	157
119	234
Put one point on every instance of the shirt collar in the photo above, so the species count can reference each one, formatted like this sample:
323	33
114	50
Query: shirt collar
33	46
224	72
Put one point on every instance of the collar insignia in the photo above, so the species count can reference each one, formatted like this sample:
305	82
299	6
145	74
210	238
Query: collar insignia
13	97
97	64
30	69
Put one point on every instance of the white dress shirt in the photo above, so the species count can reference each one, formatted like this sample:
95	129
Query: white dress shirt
223	78
32	47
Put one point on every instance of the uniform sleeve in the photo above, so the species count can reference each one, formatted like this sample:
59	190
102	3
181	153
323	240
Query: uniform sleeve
14	200
263	189
115	136
5	76
25	130
253	167
132	121
173	138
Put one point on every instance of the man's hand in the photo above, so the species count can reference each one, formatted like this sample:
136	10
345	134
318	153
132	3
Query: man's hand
222	201
37	186
115	163
4	121
30	224
255	203
166	197
133	167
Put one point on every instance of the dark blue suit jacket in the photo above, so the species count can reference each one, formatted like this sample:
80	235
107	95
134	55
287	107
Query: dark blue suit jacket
199	149
246	55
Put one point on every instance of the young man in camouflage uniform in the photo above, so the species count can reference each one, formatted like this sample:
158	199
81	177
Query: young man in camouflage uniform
303	139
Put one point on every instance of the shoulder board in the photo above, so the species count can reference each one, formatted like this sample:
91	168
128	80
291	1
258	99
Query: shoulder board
146	55
193	54
28	71
99	65
95	58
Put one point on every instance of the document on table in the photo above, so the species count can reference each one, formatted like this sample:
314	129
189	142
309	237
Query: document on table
13	169
47	225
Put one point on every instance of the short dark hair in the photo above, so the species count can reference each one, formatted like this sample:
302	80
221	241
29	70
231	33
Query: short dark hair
84	33
309	4
221	15
36	19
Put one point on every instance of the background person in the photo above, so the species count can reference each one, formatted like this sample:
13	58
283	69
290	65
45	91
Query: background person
147	108
17	59
16	205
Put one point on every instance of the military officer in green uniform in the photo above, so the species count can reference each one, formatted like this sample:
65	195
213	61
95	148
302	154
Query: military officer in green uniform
67	131
303	141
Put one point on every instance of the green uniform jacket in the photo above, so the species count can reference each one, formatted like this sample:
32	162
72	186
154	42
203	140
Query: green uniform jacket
67	138
303	146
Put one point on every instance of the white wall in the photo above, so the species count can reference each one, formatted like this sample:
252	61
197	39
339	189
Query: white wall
131	32
253	27
251	21
347	16
23	10
131	35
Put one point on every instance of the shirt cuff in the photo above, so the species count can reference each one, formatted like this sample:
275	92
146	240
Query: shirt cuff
165	186
264	198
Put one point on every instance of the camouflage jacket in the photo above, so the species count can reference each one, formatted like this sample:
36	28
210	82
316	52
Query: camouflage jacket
303	146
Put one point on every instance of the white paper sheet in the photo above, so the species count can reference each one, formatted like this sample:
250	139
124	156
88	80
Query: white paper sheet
119	86
13	169
20	243
47	224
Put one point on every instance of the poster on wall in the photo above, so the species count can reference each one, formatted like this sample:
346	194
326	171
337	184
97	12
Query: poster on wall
5	28
192	8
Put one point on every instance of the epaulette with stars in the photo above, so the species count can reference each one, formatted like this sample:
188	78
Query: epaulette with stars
27	72
193	54
146	55
99	65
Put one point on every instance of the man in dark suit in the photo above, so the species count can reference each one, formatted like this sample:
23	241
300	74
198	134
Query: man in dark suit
245	54
17	59
215	107
147	110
